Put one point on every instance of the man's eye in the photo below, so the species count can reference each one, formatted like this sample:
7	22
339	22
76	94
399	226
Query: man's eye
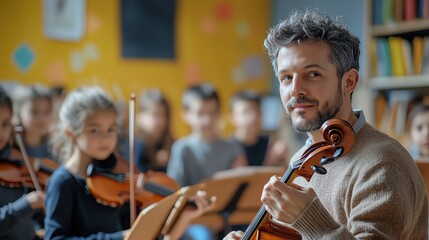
314	74
285	78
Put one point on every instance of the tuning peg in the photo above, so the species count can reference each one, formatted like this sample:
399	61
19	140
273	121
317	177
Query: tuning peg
338	152
326	160
319	170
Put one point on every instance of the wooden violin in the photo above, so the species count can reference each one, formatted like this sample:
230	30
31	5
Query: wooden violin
17	170
111	185
339	139
14	173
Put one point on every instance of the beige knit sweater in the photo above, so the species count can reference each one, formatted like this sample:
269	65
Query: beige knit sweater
373	192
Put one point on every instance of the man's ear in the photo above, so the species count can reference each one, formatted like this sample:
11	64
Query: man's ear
350	81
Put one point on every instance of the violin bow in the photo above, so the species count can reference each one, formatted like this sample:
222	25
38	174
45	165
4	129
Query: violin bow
131	140
18	132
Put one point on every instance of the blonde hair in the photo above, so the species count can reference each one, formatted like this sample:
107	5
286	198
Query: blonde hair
76	108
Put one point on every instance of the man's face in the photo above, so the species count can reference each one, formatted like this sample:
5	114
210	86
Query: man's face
309	85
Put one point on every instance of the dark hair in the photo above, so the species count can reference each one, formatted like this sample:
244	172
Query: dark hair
153	96
418	109
314	26
5	100
57	91
199	92
246	95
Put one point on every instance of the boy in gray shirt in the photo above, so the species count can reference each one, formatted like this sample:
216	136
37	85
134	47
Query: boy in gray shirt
201	154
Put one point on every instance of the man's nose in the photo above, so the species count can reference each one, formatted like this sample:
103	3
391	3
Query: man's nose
297	87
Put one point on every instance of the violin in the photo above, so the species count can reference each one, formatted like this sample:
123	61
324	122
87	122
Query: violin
111	185
339	139
14	172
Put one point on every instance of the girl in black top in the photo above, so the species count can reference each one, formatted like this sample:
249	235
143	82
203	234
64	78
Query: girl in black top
88	122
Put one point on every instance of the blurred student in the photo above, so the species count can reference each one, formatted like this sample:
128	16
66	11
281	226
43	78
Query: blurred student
202	153
58	94
154	137
419	132
246	116
88	121
16	207
33	104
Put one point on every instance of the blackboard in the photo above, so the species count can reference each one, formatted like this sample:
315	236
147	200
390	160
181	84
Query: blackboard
148	28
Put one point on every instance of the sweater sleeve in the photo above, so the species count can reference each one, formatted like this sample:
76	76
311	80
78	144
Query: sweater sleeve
11	213
316	223
59	211
380	204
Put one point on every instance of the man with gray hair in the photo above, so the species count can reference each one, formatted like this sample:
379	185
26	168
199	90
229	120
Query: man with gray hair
373	192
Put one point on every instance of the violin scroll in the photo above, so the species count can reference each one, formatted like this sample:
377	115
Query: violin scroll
334	131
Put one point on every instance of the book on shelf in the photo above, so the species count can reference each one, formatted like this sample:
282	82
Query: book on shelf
397	56
410	9
384	63
417	54
407	56
425	58
388	11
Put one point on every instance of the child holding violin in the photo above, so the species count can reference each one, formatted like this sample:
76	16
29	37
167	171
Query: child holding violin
34	106
16	208
88	124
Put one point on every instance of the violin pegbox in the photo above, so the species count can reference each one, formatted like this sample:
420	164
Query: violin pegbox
338	152
339	139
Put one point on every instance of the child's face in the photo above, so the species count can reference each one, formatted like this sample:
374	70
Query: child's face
420	133
153	120
5	126
246	115
203	117
99	135
36	116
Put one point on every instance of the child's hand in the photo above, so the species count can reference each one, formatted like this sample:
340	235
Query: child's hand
125	233
36	200
236	235
203	203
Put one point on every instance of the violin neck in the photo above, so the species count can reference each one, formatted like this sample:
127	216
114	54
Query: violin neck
262	213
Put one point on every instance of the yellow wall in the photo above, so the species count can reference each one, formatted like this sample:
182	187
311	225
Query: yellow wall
208	47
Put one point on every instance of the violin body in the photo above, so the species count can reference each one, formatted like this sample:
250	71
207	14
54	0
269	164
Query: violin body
339	136
113	189
14	172
271	231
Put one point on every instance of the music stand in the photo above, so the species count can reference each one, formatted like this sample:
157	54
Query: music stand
150	220
237	194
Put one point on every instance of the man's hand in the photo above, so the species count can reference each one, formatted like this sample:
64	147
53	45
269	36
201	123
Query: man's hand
285	203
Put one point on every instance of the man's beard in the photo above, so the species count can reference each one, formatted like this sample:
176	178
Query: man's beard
328	111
